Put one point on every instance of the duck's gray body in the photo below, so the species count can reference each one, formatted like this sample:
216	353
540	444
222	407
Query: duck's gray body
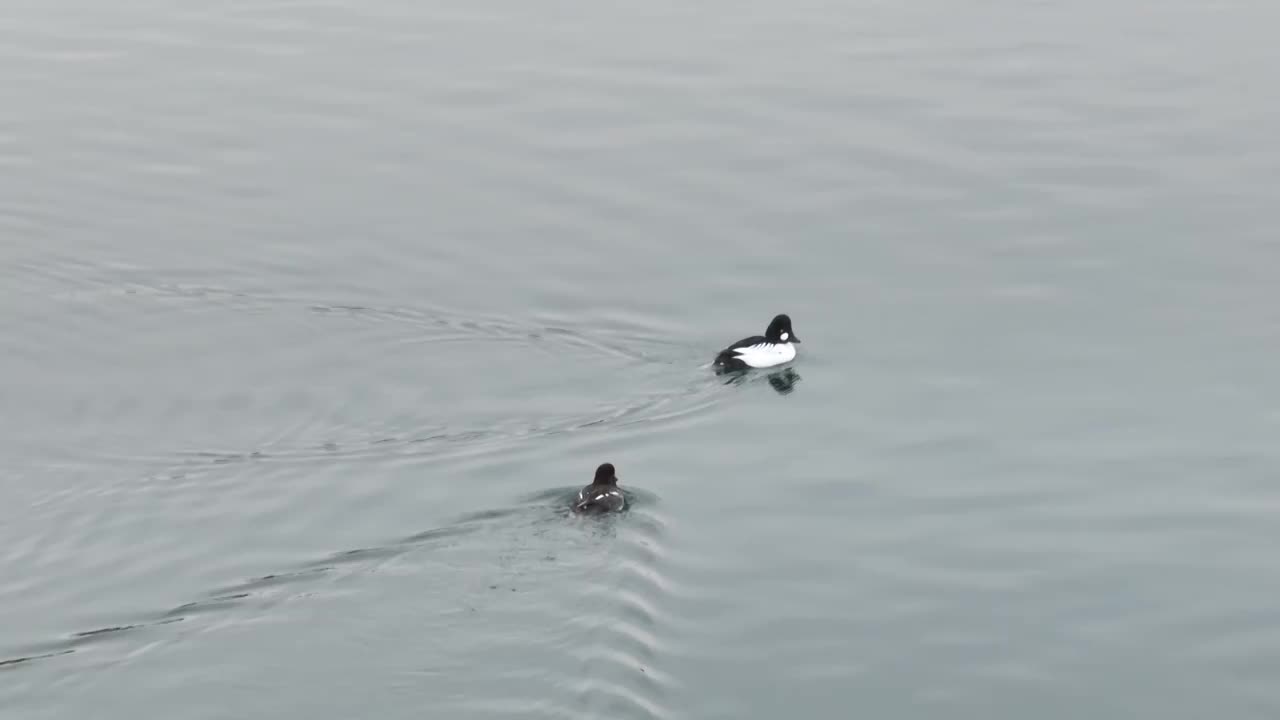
600	498
602	495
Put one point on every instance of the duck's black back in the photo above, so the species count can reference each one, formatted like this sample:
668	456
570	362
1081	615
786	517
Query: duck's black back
729	360
599	499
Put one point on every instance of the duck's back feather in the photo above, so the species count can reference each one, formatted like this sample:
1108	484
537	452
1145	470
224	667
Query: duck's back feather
596	498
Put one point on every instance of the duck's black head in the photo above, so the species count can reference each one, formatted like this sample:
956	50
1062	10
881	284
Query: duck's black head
780	330
605	475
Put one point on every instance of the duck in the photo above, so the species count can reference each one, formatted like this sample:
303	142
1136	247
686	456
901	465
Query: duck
776	347
602	495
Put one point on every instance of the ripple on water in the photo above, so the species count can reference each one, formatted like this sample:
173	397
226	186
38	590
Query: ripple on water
613	636
597	654
183	488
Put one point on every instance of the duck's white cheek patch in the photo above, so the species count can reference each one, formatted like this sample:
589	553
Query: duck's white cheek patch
786	337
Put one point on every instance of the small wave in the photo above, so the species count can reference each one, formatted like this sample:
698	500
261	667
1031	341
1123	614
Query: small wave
658	408
91	283
265	589
624	633
615	631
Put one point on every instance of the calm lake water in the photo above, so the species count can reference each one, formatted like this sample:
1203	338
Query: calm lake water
315	314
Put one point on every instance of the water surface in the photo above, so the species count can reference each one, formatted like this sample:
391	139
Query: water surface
316	313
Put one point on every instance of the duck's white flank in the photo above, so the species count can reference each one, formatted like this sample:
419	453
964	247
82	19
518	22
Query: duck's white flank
763	355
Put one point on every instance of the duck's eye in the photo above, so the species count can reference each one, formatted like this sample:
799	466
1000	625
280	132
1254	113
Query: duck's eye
785	336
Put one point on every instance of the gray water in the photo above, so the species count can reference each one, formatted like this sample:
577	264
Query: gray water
315	314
